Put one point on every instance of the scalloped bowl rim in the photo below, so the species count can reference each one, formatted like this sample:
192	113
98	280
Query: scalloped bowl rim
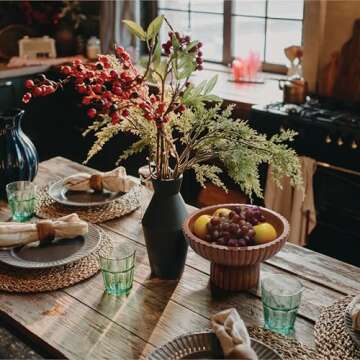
203	211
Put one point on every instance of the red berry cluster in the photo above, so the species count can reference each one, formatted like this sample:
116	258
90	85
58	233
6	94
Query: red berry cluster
105	89
38	87
183	42
108	89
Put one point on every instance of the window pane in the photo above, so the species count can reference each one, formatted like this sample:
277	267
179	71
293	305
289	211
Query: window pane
249	35
209	30
179	21
249	7
281	34
174	4
291	9
216	6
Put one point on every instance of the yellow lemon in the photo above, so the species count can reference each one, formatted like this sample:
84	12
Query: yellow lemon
200	226
222	212
264	233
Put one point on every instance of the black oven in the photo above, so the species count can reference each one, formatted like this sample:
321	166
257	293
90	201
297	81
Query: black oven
336	181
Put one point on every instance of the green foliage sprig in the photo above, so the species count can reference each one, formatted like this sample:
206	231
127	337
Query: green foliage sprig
179	129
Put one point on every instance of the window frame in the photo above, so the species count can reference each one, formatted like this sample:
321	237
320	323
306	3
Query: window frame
228	15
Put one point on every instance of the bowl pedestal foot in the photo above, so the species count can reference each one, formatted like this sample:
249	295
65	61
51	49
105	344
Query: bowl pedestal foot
234	278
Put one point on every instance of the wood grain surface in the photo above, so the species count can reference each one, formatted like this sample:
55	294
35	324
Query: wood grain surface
82	322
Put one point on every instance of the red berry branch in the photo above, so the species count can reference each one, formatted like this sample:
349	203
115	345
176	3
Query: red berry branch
112	89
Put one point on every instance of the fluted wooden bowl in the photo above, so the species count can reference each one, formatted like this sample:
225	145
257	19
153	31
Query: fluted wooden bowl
236	268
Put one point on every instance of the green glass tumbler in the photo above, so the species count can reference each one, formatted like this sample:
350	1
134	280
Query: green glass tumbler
281	296
118	270
21	199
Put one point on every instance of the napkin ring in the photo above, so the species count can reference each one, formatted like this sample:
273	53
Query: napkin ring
96	182
46	231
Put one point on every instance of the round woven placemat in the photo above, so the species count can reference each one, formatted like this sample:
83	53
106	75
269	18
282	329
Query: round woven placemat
18	280
286	347
47	208
331	336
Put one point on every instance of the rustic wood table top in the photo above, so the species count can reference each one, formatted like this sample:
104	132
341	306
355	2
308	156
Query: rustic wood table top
82	322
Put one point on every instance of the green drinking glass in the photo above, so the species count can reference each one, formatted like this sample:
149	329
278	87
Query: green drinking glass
281	296
118	270
21	199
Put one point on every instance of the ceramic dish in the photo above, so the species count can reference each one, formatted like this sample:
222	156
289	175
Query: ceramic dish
355	335
59	252
236	268
204	345
60	194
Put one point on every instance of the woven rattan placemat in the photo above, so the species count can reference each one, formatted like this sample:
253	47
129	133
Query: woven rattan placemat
331	336
47	208
286	347
18	280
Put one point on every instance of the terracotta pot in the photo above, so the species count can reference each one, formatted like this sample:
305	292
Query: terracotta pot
236	268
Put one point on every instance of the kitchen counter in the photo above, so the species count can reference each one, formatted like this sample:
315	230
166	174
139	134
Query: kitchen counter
244	95
6	72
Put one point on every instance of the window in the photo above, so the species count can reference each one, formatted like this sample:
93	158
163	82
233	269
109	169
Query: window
202	20
234	28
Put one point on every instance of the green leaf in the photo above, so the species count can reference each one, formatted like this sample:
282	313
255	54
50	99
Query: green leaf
175	42
154	27
198	89
191	45
210	85
211	98
135	29
156	58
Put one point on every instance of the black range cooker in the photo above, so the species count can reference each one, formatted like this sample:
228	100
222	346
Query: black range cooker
328	132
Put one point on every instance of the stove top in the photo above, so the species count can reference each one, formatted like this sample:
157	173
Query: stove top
316	111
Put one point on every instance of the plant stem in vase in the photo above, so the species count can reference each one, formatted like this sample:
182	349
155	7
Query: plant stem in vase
178	127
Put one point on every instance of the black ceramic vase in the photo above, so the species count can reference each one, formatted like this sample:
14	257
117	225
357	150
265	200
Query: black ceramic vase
162	225
18	157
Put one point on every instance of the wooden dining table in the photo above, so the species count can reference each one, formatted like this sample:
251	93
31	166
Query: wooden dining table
82	321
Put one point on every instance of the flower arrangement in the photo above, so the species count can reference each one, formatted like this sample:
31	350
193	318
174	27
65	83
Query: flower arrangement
174	121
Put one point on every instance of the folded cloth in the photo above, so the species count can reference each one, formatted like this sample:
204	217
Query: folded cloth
233	335
295	204
354	309
15	234
114	181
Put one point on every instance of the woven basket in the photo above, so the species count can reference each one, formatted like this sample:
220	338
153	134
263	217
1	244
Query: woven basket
47	208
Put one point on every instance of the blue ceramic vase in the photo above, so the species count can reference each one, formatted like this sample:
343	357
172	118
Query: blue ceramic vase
18	157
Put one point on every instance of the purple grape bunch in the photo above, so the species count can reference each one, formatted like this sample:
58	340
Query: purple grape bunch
253	215
232	230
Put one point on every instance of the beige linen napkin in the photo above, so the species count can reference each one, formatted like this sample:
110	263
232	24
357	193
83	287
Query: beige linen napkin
15	234
233	335
354	309
114	181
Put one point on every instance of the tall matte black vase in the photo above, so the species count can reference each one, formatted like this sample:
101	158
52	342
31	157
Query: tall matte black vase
18	157
162	225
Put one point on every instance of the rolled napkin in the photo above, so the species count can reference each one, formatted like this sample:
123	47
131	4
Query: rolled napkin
233	335
114	181
15	234
354	309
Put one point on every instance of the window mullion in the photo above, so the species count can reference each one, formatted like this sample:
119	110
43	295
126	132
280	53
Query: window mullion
265	28
227	32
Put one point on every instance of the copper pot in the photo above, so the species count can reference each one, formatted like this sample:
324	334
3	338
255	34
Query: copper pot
294	91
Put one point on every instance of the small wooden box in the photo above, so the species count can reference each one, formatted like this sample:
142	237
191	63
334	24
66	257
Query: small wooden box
35	48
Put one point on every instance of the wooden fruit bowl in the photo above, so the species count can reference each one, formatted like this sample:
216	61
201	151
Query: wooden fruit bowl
236	268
